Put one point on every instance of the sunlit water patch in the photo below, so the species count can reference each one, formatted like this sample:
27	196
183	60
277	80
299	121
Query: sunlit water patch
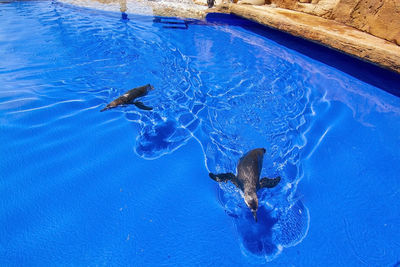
224	87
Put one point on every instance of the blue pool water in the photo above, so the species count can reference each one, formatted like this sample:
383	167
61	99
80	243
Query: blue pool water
131	187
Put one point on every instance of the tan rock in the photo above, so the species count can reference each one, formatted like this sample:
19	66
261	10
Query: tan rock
252	2
290	4
321	8
200	2
378	17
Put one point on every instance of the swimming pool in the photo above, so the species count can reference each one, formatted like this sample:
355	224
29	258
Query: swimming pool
131	187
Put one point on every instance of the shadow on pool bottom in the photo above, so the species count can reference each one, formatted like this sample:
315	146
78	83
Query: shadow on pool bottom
257	237
159	139
283	226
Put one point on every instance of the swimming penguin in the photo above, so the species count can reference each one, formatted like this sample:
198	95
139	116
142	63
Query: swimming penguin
247	179
130	96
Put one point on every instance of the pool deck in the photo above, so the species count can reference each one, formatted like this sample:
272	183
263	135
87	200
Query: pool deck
323	31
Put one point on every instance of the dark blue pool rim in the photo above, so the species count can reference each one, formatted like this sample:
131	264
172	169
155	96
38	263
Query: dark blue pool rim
365	71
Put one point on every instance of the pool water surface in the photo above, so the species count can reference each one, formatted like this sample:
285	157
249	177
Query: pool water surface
131	187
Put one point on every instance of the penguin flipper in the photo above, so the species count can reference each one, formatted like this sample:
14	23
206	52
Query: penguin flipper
224	177
269	182
142	106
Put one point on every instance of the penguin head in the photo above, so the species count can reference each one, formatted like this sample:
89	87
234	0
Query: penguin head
260	151
252	202
149	87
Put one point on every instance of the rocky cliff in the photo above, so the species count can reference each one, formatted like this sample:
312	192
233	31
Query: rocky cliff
377	17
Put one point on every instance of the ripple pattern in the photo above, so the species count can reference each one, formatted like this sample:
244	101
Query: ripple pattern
230	104
225	87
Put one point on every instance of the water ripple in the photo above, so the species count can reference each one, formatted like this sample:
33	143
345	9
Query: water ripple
256	108
230	100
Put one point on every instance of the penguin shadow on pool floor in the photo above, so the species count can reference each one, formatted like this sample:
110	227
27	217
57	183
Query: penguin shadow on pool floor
256	237
274	230
160	138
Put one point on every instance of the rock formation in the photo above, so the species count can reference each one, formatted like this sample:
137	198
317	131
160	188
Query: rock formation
380	18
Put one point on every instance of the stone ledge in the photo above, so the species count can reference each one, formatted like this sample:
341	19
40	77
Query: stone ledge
327	32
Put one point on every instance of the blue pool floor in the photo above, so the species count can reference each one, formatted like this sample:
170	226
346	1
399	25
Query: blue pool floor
131	188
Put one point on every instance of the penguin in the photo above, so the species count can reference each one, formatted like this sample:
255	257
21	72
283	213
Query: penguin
247	178
130	96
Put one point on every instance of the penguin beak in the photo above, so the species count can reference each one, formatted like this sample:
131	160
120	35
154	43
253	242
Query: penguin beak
254	215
